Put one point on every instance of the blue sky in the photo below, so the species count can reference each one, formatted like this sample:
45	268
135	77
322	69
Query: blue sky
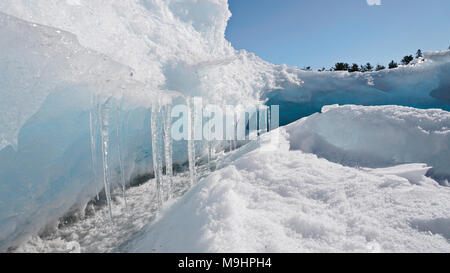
321	32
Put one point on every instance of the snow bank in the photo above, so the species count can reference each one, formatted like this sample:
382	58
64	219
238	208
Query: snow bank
377	136
289	201
423	84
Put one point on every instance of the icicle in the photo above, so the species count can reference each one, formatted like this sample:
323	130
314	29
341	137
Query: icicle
210	155
262	120
105	149
119	154
209	147
93	138
213	155
157	160
235	140
191	143
168	150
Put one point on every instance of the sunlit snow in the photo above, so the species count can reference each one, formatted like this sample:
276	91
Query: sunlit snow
86	87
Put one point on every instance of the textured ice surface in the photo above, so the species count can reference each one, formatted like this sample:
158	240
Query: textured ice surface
37	60
47	82
289	201
171	44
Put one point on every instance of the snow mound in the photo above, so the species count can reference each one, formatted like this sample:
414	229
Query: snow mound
289	201
377	136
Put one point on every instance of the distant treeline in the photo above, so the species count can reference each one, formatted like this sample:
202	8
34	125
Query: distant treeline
341	66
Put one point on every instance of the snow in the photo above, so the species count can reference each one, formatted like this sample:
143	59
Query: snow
94	232
170	44
63	63
377	136
423	84
290	201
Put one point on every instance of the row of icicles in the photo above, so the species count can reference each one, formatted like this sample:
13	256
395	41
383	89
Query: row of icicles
161	120
162	148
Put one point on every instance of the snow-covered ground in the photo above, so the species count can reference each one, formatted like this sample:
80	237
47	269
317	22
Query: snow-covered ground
75	73
290	201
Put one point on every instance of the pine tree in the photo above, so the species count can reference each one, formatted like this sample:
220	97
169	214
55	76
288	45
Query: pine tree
419	54
380	67
392	65
366	68
407	59
354	68
341	67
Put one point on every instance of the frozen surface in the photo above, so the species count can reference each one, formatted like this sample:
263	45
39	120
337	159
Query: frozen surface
289	201
64	62
171	44
47	84
423	84
377	136
37	60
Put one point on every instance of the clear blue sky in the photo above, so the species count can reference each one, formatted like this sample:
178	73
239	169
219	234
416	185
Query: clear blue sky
321	32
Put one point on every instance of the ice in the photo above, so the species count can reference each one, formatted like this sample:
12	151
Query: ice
94	233
156	152
171	45
57	54
62	60
421	85
93	125
46	116
105	151
262	122
191	142
377	136
119	154
168	150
